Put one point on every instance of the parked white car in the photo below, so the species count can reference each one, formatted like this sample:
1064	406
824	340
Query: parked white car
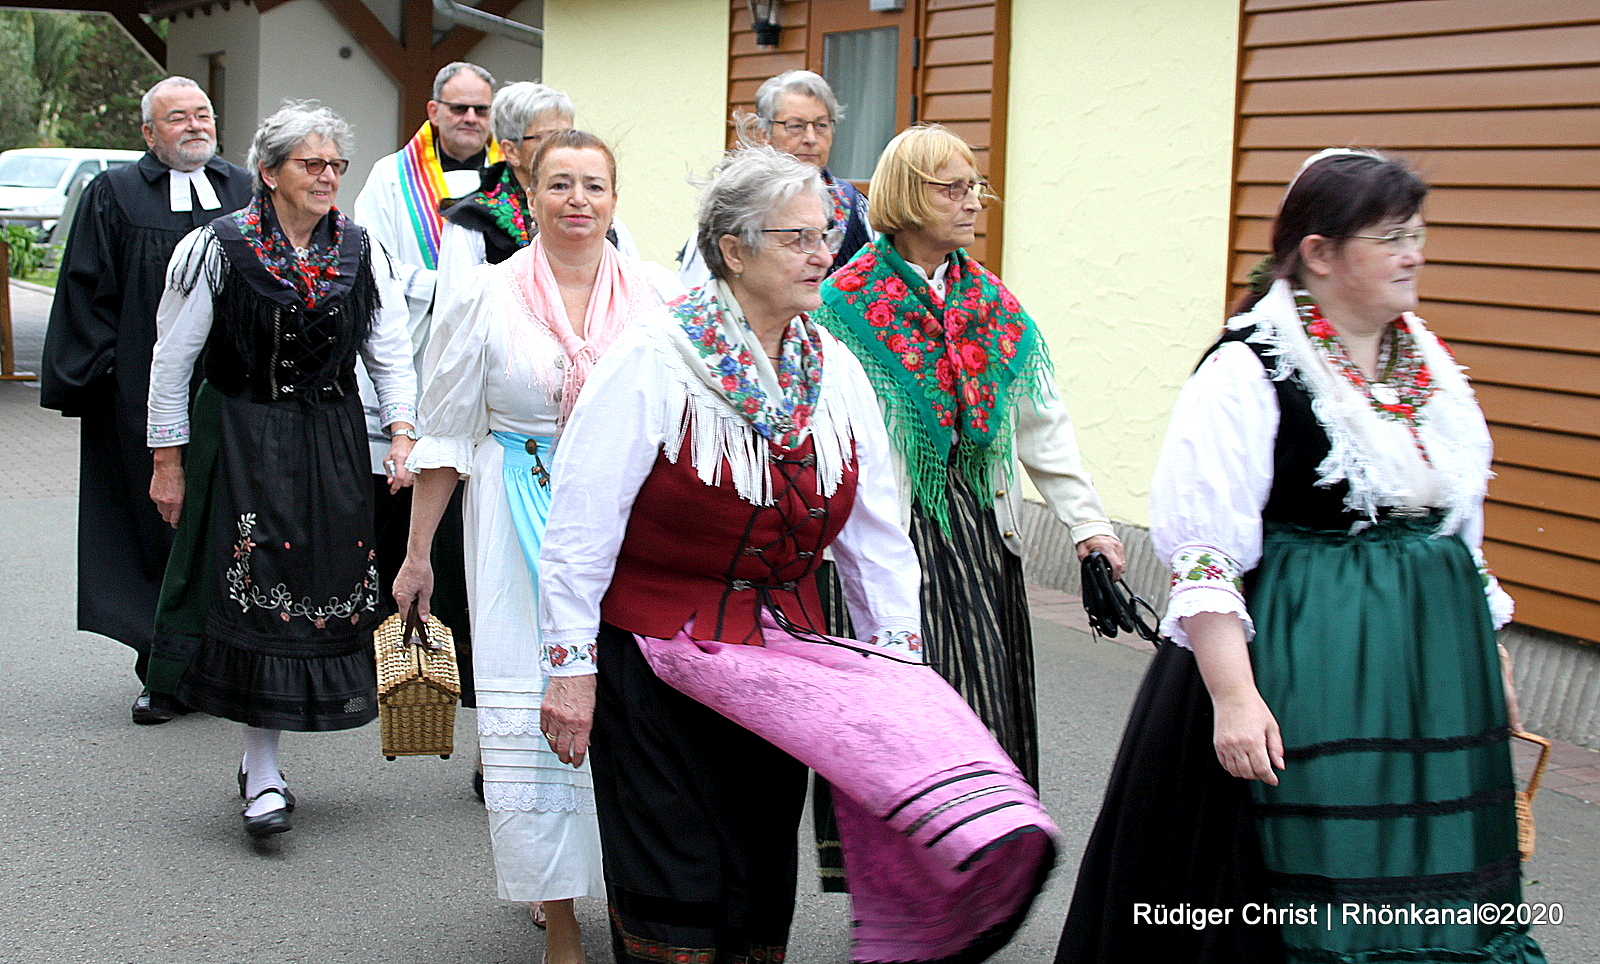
34	181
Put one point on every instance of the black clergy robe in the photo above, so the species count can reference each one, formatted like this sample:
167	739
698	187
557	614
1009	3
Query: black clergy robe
96	368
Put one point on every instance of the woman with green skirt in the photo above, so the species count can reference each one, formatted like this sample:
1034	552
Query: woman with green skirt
1317	769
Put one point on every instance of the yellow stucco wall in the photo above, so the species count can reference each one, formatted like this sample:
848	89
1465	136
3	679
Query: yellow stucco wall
650	77
1117	193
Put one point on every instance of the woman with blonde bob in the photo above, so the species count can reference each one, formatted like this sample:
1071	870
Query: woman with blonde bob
965	382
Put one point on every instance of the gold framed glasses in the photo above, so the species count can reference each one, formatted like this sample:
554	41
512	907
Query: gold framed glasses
1399	239
958	189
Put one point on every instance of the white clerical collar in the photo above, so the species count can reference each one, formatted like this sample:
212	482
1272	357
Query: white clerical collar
182	198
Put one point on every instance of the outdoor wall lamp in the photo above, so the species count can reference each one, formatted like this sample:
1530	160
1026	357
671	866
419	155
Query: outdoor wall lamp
764	19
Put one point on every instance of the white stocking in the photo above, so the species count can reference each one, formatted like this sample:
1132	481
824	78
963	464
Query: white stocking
261	769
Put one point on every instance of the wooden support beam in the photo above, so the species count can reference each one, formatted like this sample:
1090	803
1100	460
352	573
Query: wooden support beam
455	44
369	32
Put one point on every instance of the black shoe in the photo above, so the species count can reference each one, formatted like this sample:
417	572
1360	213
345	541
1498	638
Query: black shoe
288	797
150	708
271	822
477	784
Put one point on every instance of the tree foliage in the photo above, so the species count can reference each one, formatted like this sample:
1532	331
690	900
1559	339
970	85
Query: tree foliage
19	88
75	80
109	74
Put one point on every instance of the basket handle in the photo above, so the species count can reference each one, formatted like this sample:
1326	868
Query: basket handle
416	631
1544	757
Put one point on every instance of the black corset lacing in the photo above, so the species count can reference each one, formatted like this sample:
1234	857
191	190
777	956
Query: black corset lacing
788	472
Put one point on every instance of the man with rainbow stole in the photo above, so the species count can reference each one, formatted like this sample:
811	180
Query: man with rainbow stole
400	206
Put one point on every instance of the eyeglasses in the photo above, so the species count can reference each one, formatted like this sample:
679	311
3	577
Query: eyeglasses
795	128
183	117
316	165
1399	238
460	110
958	190
809	240
538	137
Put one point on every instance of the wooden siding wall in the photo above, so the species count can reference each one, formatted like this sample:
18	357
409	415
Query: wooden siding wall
960	80
1498	106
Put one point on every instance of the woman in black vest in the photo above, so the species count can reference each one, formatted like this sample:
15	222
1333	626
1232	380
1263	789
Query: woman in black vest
270	592
1327	727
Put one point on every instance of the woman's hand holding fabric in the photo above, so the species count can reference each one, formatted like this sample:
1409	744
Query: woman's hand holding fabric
567	716
414	584
1111	547
399	476
166	484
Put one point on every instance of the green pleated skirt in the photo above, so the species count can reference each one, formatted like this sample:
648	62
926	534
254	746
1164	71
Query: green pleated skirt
1394	817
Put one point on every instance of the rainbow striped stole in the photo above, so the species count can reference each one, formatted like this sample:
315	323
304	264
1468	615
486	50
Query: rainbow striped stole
422	186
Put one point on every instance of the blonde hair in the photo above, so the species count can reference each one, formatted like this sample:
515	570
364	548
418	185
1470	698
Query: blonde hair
906	164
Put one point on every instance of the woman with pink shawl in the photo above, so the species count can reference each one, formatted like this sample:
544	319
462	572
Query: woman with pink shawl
508	360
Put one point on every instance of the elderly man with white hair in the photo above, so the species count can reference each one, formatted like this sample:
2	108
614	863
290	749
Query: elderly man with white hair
797	113
97	356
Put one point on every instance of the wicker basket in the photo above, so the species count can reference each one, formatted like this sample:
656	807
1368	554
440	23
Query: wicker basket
418	685
1525	830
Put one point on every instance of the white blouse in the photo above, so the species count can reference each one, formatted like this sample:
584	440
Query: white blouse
183	323
492	369
633	406
1216	468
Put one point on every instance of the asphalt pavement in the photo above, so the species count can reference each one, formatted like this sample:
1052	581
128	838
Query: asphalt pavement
122	844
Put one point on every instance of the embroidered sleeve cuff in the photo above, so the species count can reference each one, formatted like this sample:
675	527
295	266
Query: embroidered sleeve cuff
1501	606
433	452
568	657
397	412
905	642
166	436
1204	580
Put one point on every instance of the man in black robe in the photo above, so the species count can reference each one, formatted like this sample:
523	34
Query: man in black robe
97	356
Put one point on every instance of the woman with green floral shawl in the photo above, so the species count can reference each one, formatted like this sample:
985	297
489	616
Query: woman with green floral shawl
966	385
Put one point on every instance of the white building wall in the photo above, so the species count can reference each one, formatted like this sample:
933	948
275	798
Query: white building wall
235	33
300	58
511	60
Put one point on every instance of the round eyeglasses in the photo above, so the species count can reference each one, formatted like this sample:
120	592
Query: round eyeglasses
958	189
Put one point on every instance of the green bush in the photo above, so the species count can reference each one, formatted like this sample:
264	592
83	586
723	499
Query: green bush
27	254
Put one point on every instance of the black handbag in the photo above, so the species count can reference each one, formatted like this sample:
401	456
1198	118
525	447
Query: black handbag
1111	605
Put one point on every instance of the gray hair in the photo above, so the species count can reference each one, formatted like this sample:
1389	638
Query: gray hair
795	82
746	186
517	105
281	133
147	103
451	69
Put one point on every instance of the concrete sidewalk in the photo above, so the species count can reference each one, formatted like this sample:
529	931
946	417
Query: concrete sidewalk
124	844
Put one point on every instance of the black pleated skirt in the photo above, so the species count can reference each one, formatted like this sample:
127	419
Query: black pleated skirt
1176	832
270	594
698	821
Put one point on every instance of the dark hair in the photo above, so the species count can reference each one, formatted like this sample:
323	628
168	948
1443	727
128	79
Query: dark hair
1336	197
578	141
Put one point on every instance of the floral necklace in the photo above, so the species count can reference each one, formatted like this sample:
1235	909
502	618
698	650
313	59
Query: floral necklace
1405	385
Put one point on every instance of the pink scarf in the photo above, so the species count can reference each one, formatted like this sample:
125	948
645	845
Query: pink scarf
621	293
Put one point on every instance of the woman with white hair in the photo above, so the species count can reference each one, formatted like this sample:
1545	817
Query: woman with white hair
716	452
493	222
270	592
797	113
